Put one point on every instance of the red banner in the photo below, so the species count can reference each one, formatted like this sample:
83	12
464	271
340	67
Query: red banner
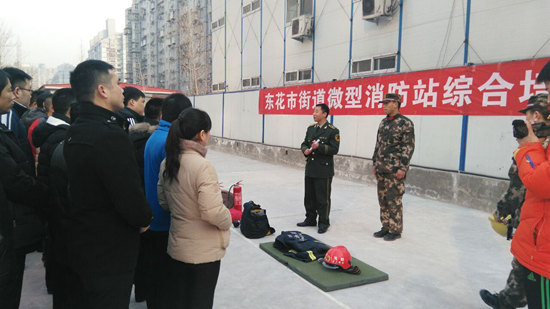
498	89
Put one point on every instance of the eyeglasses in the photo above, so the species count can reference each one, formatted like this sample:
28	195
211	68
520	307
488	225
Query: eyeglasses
29	90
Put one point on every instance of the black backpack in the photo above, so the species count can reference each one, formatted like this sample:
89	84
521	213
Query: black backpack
254	223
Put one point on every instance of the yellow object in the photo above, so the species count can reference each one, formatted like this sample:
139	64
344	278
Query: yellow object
499	227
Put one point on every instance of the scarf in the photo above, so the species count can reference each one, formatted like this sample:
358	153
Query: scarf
192	145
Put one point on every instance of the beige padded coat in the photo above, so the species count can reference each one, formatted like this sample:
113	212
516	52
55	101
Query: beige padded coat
199	227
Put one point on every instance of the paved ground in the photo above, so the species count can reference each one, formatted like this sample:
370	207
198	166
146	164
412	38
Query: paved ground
447	253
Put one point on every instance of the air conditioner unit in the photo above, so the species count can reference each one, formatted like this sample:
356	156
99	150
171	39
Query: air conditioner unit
301	27
373	9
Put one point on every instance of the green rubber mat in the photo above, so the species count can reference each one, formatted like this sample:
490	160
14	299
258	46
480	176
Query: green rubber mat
324	278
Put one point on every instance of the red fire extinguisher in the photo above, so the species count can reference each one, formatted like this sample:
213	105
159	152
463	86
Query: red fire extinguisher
237	196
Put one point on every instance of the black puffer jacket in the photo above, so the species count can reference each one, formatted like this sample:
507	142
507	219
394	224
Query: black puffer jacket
139	134
26	194
47	136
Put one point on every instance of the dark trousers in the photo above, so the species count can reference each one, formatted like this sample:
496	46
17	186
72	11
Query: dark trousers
109	292
63	287
193	284
317	200
11	278
142	275
537	289
159	276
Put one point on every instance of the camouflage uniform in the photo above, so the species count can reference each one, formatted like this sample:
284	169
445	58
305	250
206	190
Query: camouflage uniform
393	152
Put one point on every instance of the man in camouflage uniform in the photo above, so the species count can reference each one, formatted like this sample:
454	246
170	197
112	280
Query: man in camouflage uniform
321	143
391	159
513	294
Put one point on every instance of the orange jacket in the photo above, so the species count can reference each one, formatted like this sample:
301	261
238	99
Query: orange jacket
531	242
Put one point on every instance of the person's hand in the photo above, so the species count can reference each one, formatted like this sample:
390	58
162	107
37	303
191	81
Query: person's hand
530	138
315	145
497	217
307	152
400	174
374	171
144	229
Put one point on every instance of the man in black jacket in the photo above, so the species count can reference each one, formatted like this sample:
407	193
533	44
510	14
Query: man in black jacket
21	89
49	134
108	206
26	196
47	137
134	106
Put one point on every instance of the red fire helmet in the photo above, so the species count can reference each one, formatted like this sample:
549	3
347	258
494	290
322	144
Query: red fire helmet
339	258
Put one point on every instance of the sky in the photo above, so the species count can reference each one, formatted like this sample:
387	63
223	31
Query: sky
52	32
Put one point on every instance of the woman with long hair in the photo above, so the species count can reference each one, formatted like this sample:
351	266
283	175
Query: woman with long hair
199	228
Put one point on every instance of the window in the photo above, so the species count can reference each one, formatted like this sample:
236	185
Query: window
291	76
251	7
251	82
215	87
299	76
221	22
384	63
304	74
361	66
215	25
255	5
246	9
295	8
221	86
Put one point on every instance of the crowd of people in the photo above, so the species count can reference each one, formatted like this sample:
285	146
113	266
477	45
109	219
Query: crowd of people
80	182
117	193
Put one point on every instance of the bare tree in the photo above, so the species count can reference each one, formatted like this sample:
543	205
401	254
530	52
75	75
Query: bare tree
6	44
193	50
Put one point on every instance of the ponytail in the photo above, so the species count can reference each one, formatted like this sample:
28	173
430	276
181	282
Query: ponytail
190	122
173	150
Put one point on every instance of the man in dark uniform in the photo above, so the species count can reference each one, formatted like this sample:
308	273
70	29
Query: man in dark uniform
321	143
391	159
108	208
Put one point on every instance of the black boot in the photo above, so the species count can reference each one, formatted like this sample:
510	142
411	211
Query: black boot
490	299
381	233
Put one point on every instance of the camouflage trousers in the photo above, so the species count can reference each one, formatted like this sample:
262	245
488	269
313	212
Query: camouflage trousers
390	195
513	295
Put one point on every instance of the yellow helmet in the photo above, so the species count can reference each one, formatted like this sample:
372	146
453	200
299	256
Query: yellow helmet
499	227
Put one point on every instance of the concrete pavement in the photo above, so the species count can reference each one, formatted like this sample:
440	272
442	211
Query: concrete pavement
446	255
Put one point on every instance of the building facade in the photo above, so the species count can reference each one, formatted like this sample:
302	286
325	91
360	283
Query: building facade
259	44
109	46
158	34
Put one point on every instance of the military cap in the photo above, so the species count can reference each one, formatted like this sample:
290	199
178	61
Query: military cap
391	97
539	101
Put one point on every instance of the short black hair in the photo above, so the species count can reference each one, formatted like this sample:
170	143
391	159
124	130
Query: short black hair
35	94
325	108
153	108
18	78
42	98
173	105
4	79
132	93
62	100
87	76
544	74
